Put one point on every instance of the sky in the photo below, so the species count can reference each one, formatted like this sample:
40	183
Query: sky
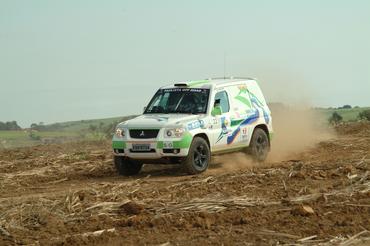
73	60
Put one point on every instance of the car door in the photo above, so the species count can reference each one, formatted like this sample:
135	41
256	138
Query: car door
221	123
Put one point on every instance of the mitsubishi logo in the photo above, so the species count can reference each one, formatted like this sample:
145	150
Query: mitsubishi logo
142	134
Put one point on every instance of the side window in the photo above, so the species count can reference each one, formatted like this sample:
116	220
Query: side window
224	101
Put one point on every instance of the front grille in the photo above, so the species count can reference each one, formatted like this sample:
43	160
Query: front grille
145	133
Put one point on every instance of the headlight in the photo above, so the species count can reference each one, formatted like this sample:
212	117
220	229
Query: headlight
120	132
174	133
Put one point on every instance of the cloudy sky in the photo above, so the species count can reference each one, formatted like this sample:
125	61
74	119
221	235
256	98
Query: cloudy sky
72	60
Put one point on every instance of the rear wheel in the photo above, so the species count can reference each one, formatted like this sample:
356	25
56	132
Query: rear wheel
259	146
126	166
198	157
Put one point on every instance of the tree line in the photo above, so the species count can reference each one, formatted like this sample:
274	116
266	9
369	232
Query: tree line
9	126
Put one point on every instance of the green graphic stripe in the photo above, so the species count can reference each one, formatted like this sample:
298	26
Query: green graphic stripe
160	145
236	122
243	100
118	145
197	82
184	143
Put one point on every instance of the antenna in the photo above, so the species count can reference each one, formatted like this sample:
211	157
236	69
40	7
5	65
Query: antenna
224	65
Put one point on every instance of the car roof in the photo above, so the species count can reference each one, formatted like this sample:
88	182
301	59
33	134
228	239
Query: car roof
208	83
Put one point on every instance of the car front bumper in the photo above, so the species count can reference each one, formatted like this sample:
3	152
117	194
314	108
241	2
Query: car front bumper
158	148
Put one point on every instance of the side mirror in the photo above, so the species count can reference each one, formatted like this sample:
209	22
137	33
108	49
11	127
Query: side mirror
217	110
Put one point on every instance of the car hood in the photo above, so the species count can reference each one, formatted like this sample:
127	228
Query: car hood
159	120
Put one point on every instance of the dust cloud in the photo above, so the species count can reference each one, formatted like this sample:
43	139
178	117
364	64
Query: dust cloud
231	162
296	129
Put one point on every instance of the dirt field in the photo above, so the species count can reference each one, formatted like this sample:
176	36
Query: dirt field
70	195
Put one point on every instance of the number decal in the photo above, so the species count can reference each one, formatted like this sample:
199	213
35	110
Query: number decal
168	145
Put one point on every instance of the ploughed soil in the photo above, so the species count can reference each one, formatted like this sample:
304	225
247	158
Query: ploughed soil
70	194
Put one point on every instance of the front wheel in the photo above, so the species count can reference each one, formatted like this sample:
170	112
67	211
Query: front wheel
126	166
198	157
259	146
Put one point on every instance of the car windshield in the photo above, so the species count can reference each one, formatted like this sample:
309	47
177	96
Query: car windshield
179	100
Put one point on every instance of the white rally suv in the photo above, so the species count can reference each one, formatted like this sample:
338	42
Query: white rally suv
187	122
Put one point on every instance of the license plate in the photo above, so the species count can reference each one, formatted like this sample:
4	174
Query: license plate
141	147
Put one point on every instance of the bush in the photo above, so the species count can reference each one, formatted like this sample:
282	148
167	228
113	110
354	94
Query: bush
33	136
345	107
335	118
364	115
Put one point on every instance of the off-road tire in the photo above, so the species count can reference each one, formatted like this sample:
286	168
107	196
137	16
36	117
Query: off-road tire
198	157
260	145
126	166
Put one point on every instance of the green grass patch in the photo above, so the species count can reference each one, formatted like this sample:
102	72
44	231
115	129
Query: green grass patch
12	134
82	125
11	139
24	134
347	114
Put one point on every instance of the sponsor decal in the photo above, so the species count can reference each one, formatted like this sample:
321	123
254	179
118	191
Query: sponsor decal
224	131
185	90
243	96
202	124
244	133
246	121
195	125
251	101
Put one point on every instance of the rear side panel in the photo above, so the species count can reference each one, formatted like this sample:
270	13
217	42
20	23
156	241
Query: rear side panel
248	109
243	115
259	102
